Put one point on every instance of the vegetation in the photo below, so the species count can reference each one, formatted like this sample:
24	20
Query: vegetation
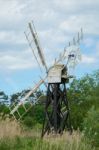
91	126
13	137
83	95
32	143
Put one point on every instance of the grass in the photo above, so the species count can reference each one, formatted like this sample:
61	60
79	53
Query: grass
9	128
12	137
33	143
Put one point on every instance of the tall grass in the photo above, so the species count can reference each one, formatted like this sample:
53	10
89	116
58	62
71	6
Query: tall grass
33	143
9	128
12	137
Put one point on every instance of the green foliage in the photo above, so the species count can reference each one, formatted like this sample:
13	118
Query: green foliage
34	117
3	95
29	122
16	97
4	110
91	126
38	113
82	95
3	98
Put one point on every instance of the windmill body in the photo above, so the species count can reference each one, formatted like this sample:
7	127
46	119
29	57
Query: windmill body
57	73
57	112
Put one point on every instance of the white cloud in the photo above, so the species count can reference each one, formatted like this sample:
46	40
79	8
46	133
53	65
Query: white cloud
10	13
56	22
88	59
11	37
16	60
88	22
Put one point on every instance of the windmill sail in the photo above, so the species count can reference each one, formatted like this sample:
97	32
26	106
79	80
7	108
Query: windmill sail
40	52
72	45
22	101
30	44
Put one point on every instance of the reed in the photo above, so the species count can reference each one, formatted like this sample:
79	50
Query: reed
13	137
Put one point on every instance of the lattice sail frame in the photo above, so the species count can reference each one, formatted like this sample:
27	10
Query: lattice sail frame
32	38
14	108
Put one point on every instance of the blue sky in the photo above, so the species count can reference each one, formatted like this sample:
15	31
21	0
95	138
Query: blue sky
56	21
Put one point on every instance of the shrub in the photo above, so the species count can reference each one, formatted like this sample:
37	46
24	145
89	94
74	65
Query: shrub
91	126
28	121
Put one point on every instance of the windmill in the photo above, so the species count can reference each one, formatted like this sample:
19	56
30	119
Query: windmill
57	111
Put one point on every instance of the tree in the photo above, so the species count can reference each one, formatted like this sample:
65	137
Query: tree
91	126
3	98
15	98
83	94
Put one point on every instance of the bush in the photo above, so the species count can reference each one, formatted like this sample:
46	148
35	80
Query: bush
28	121
91	126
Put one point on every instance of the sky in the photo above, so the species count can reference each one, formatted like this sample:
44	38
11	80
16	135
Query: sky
56	22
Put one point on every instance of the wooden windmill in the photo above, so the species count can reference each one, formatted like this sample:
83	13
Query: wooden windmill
57	112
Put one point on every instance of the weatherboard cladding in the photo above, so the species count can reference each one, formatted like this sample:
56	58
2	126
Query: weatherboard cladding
55	73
